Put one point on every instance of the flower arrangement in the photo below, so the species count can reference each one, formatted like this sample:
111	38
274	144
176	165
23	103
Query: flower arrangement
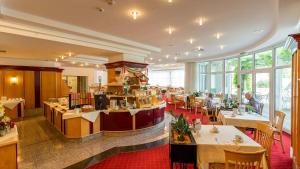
5	123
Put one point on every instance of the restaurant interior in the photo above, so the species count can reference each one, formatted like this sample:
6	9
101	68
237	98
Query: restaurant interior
156	84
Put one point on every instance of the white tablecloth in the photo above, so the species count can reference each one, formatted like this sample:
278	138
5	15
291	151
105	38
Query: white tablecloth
11	104
90	116
243	120
210	146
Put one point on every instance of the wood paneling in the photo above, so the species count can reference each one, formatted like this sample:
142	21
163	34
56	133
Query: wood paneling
58	84
76	128
13	90
8	156
29	88
48	85
1	83
295	107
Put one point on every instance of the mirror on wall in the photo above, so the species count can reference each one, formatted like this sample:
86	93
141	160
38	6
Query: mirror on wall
77	84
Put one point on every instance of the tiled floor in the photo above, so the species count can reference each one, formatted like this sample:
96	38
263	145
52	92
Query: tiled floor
41	146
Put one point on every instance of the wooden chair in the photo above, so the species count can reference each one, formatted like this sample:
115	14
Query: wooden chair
264	136
261	107
243	160
175	101
277	126
193	104
240	160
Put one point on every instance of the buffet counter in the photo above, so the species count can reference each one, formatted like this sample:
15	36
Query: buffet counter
8	149
81	124
14	108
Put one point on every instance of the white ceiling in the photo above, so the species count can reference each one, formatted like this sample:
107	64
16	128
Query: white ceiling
235	19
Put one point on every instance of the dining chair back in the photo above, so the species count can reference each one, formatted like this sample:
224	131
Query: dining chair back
278	125
261	108
264	136
243	160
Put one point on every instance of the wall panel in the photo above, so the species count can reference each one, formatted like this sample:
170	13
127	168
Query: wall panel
29	89
1	83
13	90
48	85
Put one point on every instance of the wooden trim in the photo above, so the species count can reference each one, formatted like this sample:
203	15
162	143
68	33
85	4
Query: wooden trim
125	63
37	88
31	68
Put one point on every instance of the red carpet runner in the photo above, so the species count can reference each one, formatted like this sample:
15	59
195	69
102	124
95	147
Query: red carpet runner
158	157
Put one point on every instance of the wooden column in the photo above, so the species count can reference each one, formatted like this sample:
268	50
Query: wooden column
295	103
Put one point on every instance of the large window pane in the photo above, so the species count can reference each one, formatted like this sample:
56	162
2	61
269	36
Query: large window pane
217	66
203	67
216	83
246	85
263	59
159	78
231	83
283	56
231	64
177	78
203	82
246	62
283	95
262	84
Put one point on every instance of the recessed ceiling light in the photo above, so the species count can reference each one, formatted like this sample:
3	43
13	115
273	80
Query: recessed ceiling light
200	49
170	1
97	66
135	14
170	30
199	54
191	40
221	47
100	9
167	56
73	62
186	53
258	31
86	64
200	21
81	64
56	59
62	57
151	58
175	58
159	60
218	35
70	54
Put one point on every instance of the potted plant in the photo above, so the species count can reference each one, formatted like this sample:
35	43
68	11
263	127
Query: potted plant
181	126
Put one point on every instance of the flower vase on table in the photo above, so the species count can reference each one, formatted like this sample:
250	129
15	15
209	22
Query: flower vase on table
5	122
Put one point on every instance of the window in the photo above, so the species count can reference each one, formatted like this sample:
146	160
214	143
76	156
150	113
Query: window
263	59
177	78
217	66
231	77
173	78
283	56
203	76
246	62
216	85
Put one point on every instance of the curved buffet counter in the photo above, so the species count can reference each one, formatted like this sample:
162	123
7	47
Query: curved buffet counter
79	125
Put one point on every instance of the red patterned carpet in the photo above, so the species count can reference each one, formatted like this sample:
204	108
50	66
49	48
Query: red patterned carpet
158	157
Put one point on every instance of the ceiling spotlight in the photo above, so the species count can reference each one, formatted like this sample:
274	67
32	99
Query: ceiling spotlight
199	54
218	35
81	64
62	57
56	59
170	1
191	41
73	62
159	60
175	58
70	54
170	30
135	14
186	53
221	47
201	21
151	58
86	64
97	66
167	56
100	9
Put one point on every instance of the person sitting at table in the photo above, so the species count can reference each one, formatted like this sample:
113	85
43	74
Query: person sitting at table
210	106
253	102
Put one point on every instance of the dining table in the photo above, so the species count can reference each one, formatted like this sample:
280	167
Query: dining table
244	120
212	143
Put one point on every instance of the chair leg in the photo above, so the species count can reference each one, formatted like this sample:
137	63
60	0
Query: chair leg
281	142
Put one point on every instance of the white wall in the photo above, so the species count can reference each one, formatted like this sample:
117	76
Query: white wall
91	73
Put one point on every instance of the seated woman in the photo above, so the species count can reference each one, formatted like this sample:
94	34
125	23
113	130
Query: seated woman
208	102
253	102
